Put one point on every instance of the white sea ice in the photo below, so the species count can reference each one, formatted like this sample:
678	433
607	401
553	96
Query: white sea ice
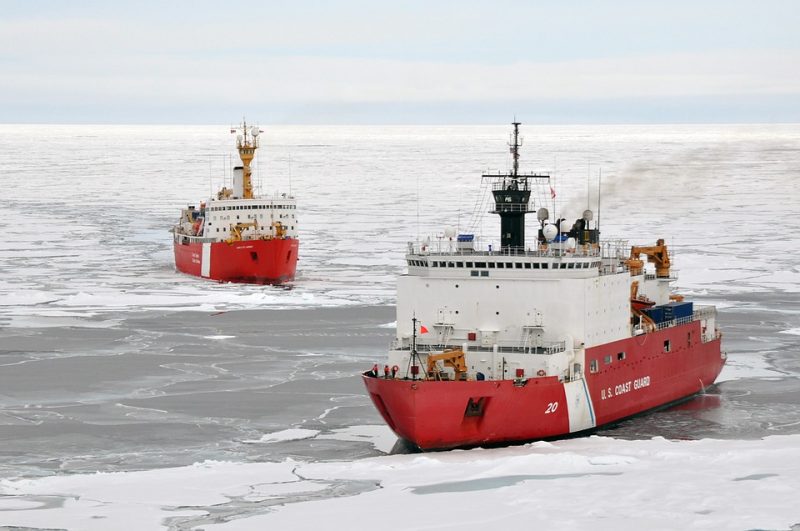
293	434
584	483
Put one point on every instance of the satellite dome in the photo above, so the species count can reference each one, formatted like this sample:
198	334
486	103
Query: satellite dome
449	232
254	131
542	214
550	232
571	243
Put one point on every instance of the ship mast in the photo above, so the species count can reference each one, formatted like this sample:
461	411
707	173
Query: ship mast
512	195
247	143
515	145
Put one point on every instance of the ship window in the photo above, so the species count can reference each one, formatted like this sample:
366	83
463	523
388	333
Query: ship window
500	265
518	265
433	264
607	359
535	265
459	264
469	264
509	265
474	273
620	356
484	273
491	265
570	266
667	346
527	265
689	338
545	265
442	264
456	285
563	265
451	264
480	264
593	366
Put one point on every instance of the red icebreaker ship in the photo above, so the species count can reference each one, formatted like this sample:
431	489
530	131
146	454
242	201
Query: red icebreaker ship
530	341
238	236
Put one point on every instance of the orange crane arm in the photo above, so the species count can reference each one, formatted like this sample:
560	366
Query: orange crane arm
656	254
452	358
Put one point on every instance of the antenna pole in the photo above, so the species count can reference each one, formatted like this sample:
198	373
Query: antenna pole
599	194
515	145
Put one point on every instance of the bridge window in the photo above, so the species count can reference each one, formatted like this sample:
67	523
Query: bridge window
593	366
518	265
667	346
500	265
527	265
474	273
469	264
607	359
480	264
620	356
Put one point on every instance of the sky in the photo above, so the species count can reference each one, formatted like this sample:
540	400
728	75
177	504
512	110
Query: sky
426	62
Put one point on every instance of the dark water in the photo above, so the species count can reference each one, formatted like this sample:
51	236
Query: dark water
160	389
155	391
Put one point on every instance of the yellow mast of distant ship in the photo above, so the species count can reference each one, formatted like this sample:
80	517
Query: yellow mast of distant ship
247	144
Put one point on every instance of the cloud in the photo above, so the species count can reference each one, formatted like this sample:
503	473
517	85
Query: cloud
250	78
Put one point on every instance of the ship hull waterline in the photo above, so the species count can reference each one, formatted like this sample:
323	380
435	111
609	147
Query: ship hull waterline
435	415
271	261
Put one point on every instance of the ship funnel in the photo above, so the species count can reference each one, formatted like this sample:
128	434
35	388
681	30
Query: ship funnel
238	182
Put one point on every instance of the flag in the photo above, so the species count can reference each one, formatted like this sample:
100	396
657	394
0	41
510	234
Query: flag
422	329
552	193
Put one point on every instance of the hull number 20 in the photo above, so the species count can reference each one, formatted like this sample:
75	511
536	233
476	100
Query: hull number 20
551	408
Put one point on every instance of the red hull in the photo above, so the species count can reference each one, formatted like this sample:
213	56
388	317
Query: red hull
434	414
252	261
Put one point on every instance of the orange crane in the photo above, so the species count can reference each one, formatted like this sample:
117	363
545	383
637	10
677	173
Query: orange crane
656	254
452	358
